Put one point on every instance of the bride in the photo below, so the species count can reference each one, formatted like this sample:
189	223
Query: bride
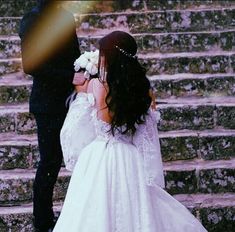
110	141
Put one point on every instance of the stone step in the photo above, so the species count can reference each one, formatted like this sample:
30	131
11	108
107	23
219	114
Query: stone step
158	21
193	85
214	210
8	66
16	87
21	151
150	21
18	8
170	63
182	177
16	186
156	42
172	114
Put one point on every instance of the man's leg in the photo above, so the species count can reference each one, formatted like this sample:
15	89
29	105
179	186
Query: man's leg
48	127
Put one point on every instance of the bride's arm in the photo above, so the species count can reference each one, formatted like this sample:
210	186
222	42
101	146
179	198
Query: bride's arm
78	130
80	82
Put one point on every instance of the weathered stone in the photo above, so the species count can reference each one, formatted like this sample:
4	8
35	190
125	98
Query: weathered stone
217	147
217	219
188	87
22	222
162	88
25	123
220	86
199	20
204	64
181	181
164	43
217	180
19	189
141	22
188	42
197	87
35	156
182	4
179	148
228	40
91	24
10	48
7	122
81	7
61	187
15	190
154	66
10	66
15	8
88	43
232	62
15	157
9	26
186	117
12	94
226	116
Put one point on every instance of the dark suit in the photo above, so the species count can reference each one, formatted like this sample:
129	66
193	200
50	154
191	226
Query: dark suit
52	84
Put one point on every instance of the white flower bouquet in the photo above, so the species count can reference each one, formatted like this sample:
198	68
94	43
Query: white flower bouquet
88	62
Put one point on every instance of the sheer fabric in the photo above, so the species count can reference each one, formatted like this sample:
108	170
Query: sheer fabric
78	130
114	186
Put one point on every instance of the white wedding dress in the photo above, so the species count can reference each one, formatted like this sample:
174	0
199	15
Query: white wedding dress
116	184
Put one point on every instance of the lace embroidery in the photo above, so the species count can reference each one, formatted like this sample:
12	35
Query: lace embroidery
82	126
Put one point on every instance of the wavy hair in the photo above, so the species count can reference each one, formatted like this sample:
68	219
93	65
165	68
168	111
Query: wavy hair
128	98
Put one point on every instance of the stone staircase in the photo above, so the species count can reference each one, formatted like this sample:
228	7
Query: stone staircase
188	48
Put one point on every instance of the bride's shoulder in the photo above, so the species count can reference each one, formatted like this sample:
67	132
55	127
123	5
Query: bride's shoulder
97	87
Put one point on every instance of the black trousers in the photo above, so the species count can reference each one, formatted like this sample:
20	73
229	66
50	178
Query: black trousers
48	128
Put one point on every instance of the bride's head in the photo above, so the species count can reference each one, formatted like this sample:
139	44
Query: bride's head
128	97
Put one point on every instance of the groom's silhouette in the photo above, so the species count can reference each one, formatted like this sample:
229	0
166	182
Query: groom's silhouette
49	48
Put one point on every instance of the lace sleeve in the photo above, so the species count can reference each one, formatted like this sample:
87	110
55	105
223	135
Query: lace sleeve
147	142
78	129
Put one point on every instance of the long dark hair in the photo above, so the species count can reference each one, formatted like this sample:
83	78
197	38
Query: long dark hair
128	98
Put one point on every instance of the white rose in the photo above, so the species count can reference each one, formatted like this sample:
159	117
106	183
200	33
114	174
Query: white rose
87	55
94	60
82	61
76	66
86	75
91	68
96	53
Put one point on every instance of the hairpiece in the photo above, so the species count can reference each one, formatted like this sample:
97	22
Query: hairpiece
126	53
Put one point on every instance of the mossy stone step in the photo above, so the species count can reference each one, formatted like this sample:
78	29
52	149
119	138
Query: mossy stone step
182	177
18	8
214	210
142	22
16	186
17	89
176	116
21	151
193	85
160	43
156	64
159	21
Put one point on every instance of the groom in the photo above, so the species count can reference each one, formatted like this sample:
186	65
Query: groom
49	59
